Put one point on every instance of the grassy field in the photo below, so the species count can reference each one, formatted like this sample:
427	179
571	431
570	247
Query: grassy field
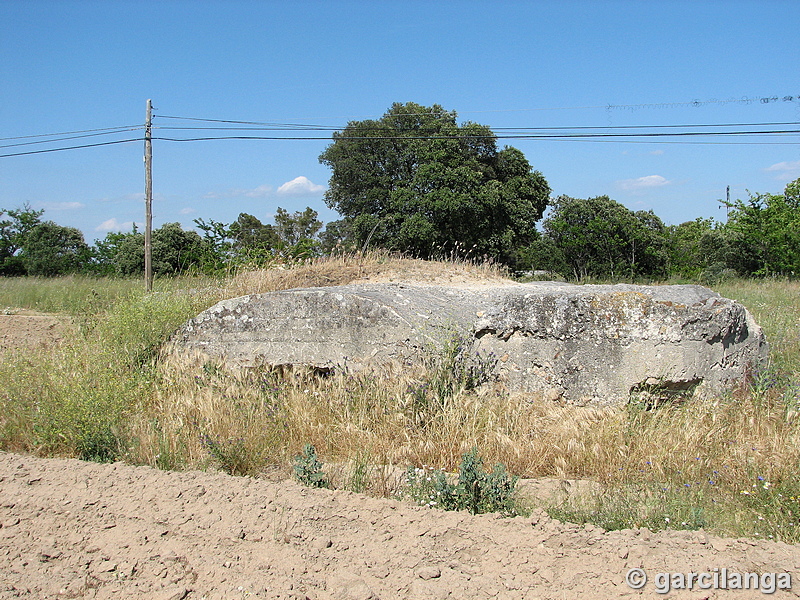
729	464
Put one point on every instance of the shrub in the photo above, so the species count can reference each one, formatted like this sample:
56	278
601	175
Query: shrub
308	469
476	490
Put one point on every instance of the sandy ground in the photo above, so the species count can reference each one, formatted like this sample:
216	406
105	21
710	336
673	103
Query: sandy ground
72	529
28	329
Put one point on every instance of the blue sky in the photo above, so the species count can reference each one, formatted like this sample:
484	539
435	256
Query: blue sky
74	66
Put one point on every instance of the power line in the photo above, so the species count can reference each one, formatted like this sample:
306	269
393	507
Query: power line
109	129
748	100
620	133
521	136
525	129
272	124
698	103
62	139
682	142
71	147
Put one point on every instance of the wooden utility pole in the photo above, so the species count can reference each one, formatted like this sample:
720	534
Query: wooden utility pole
148	199
727	202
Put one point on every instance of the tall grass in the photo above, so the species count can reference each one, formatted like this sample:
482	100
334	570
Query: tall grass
78	398
729	464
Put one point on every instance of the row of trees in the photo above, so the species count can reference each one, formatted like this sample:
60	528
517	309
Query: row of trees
30	246
595	238
417	182
600	238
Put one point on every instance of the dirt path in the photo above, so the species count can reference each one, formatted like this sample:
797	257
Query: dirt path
71	529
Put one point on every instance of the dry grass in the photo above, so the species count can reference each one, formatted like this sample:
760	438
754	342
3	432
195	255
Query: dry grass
374	265
728	463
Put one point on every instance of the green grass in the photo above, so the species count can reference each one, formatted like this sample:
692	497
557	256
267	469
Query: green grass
775	304
732	464
79	398
80	295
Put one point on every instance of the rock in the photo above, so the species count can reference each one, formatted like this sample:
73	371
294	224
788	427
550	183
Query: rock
429	572
348	586
578	344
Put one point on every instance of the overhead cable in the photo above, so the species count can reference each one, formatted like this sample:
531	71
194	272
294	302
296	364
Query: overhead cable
523	129
71	137
523	136
109	129
71	147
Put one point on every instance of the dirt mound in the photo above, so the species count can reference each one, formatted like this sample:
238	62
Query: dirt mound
374	267
70	529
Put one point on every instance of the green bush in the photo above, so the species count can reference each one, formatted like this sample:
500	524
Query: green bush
475	490
308	469
232	456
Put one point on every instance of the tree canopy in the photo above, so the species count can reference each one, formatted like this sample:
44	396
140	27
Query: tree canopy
13	231
764	232
599	237
50	249
417	181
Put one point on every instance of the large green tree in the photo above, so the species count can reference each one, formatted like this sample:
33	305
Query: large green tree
13	231
50	249
599	237
174	251
298	232
695	246
417	181
764	232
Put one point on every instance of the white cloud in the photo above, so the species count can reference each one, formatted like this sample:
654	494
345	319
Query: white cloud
187	211
261	191
642	183
657	153
785	171
300	186
62	205
114	225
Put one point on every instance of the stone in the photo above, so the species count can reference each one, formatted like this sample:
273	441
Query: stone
429	572
576	344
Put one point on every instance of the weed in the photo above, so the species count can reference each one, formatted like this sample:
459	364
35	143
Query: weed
475	490
451	369
308	468
233	456
99	445
360	476
167	458
631	506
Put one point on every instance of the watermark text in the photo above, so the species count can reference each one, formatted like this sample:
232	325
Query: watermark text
716	579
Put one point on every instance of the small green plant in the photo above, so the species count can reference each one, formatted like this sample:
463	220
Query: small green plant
360	475
308	468
652	505
476	490
231	455
457	368
98	445
167	459
452	369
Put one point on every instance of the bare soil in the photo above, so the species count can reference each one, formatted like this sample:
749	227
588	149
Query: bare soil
72	529
27	329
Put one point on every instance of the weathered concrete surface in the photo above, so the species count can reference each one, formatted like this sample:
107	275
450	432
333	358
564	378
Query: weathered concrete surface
592	344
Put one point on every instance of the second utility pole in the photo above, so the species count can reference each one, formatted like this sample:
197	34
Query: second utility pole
148	199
